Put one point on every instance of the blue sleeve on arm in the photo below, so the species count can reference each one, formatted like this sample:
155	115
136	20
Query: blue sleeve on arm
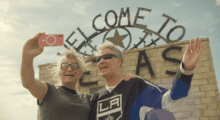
174	99
149	97
179	89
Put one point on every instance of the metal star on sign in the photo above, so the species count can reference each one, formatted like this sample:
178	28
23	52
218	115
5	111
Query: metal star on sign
117	40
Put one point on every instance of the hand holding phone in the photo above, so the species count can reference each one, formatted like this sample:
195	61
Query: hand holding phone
51	40
31	48
35	46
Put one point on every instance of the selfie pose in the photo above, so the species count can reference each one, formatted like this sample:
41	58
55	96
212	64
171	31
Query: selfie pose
62	102
138	99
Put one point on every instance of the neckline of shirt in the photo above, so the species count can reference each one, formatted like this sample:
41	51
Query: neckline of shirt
69	90
112	87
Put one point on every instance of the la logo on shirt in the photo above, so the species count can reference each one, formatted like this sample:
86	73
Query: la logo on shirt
110	108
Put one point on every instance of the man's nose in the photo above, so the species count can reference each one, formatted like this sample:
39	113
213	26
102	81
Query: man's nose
102	60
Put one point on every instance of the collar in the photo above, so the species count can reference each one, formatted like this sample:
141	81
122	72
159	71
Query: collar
69	90
110	88
104	90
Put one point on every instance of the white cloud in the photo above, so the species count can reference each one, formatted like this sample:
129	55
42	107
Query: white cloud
5	6
79	7
7	17
16	102
211	30
11	45
176	4
61	1
6	27
8	20
18	107
5	62
32	3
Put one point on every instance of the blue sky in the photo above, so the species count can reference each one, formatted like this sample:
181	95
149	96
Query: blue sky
21	20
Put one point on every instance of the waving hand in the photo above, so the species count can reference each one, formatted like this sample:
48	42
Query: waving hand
192	54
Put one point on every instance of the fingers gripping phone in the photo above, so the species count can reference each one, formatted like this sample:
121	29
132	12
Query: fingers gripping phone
51	40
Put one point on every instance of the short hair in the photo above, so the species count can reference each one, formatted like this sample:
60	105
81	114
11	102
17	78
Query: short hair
67	54
111	46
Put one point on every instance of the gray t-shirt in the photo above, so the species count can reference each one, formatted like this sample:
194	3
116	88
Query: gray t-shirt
59	104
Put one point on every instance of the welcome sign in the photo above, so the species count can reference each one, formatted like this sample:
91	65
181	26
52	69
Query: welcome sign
117	39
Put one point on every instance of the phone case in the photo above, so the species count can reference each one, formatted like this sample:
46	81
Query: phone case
51	40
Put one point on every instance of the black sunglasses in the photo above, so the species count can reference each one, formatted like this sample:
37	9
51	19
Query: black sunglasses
74	66
105	56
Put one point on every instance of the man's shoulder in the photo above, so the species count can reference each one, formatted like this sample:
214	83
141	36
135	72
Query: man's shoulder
103	88
141	81
138	79
95	95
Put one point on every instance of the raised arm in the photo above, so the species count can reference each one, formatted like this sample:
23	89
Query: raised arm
30	50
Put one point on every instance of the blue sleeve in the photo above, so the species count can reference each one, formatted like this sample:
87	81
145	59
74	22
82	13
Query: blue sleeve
156	97
174	99
150	96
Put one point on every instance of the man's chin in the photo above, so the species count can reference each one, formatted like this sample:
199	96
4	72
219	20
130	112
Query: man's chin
103	75
106	75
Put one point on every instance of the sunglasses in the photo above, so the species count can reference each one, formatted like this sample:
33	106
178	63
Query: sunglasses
106	56
74	66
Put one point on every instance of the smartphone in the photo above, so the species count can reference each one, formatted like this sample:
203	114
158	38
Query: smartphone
51	40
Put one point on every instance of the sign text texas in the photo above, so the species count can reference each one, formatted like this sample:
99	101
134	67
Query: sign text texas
117	41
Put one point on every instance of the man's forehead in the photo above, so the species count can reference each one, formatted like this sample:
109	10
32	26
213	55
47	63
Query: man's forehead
106	50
